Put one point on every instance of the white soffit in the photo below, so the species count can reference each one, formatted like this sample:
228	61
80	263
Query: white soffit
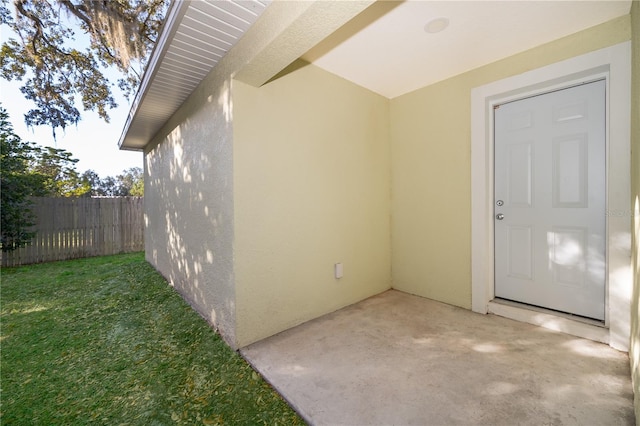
195	36
394	55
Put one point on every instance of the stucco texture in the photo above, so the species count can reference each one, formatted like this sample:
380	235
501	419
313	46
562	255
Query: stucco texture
189	204
634	347
190	197
253	194
431	165
312	188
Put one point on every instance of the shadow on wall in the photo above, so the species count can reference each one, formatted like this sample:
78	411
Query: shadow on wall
189	207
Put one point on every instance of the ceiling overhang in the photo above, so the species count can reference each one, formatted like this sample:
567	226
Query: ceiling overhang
194	38
394	48
387	47
256	38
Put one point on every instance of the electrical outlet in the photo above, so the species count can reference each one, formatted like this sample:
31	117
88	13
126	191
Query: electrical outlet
338	271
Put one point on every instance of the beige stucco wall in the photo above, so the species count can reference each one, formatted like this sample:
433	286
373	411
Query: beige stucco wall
189	203
312	188
247	221
634	347
430	150
189	190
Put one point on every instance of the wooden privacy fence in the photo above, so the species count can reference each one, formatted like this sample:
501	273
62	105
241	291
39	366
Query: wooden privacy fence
71	228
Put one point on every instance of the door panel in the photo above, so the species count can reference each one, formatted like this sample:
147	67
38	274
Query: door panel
549	169
568	255
520	251
520	173
569	178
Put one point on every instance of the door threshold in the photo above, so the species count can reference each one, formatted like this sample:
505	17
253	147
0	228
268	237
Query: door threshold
552	320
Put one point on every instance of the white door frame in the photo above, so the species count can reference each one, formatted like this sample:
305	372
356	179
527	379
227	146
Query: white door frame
614	64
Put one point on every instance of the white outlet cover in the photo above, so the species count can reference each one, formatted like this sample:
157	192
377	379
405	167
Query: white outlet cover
338	270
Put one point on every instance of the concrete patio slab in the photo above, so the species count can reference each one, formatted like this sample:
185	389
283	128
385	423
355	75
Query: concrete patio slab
398	359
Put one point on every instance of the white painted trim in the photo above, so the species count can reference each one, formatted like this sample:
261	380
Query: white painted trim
175	12
614	64
550	321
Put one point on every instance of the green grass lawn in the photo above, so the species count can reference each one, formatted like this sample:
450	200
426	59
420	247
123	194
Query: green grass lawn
106	341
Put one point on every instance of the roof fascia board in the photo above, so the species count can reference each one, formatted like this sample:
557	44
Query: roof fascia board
175	13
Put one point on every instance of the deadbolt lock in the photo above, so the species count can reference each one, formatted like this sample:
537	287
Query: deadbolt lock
499	203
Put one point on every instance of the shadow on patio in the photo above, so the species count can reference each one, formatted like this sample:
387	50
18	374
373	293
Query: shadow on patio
405	360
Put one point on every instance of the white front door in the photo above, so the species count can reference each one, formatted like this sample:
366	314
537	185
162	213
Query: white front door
549	191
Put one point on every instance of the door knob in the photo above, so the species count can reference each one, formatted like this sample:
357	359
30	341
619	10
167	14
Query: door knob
499	216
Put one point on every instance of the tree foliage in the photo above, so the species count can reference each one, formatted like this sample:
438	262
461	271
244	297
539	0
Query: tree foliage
46	55
57	172
15	187
130	183
29	170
